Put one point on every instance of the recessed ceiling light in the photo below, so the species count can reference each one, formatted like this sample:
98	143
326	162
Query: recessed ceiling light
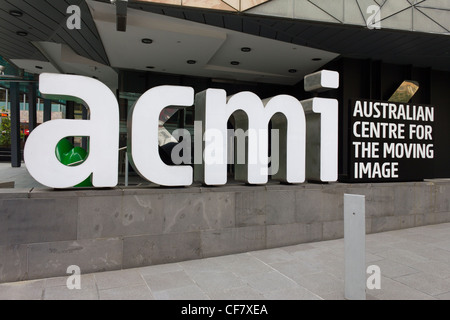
147	41
150	67
317	59
16	13
39	67
22	33
246	49
235	63
191	62
292	70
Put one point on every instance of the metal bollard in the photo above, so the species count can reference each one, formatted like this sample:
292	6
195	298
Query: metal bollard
355	246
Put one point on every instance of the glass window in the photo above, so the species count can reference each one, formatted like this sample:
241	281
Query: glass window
24	103
4	105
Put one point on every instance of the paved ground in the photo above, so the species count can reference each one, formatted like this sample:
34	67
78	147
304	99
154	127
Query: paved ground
415	264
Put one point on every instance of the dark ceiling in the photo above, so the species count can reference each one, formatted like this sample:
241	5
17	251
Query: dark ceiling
419	49
45	20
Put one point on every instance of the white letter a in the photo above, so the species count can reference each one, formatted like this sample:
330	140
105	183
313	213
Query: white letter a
102	130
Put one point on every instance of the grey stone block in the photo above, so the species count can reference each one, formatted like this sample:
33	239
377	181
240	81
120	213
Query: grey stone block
291	234
139	292
333	203
442	217
380	224
106	217
53	259
212	282
74	193
442	198
308	205
154	189
394	290
243	264
426	283
368	225
320	204
37	220
86	280
407	221
426	200
298	293
276	186
233	240
269	281
159	269
192	292
419	220
321	283
413	199
280	207
251	208
435	268
14	194
404	202
241	293
392	269
87	292
380	202
276	255
333	230
148	250
13	263
117	279
189	212
425	219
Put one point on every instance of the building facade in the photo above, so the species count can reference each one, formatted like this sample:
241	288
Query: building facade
393	61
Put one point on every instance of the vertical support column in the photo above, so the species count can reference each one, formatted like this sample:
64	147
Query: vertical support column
70	114
47	110
84	140
355	246
32	115
70	110
16	156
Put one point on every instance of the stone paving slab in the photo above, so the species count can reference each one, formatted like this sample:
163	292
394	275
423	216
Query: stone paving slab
414	265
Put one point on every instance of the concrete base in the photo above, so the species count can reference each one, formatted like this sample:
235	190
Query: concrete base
42	232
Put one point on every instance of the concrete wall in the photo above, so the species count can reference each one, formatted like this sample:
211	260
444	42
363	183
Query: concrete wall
43	232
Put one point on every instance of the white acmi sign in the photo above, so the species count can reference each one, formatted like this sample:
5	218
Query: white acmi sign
308	134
